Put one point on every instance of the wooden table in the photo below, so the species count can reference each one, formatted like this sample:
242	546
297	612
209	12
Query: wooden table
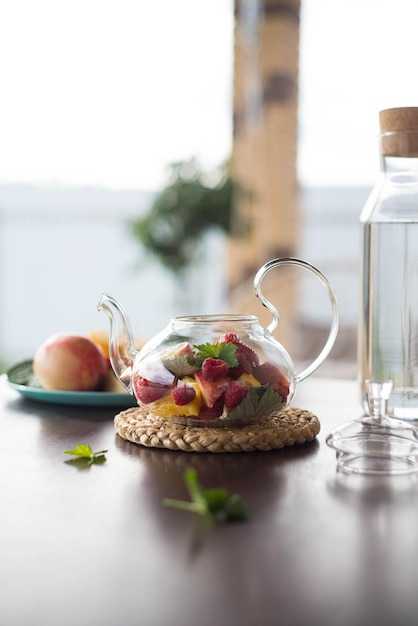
97	547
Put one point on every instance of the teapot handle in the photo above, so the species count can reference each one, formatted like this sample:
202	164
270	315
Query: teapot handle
276	318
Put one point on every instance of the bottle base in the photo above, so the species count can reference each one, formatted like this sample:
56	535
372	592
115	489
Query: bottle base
377	465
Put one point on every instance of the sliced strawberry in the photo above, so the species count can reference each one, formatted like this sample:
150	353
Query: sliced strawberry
269	374
210	413
211	390
182	349
146	391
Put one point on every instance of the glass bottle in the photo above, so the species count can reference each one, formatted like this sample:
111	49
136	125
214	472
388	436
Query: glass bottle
388	329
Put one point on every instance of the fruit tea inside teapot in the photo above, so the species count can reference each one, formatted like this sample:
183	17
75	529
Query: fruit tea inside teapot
212	369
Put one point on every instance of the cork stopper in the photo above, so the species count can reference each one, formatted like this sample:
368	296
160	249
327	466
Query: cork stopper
399	131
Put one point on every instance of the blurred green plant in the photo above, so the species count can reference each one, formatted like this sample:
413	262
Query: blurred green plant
193	203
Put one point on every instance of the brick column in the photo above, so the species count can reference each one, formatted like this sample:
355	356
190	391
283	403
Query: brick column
264	151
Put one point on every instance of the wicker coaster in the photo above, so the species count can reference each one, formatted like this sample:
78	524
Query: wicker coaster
286	428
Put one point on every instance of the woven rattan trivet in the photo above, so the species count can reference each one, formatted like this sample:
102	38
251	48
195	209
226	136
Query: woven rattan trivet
290	426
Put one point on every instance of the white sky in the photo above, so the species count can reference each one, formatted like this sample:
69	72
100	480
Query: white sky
108	92
357	57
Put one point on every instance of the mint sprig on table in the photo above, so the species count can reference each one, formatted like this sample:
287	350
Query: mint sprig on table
84	455
225	351
215	505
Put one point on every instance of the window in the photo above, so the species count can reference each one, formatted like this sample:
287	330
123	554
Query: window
99	96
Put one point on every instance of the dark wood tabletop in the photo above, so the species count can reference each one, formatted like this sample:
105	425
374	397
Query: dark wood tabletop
97	547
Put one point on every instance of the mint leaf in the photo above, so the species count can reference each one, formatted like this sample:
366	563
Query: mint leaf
179	366
194	488
216	499
225	351
84	452
215	505
260	401
235	508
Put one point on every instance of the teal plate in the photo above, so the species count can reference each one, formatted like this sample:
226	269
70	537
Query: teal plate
21	378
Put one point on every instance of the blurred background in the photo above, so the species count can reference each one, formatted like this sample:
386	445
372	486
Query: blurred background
163	151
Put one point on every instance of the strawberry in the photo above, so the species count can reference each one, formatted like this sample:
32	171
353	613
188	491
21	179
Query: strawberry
211	390
147	391
183	349
269	374
210	413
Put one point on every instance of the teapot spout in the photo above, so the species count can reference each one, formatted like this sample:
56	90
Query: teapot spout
122	351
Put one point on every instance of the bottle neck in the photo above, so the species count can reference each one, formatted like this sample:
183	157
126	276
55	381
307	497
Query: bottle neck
399	155
400	169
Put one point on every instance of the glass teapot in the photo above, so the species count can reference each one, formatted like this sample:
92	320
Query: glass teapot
212	369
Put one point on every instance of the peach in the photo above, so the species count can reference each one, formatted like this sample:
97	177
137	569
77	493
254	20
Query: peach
69	362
